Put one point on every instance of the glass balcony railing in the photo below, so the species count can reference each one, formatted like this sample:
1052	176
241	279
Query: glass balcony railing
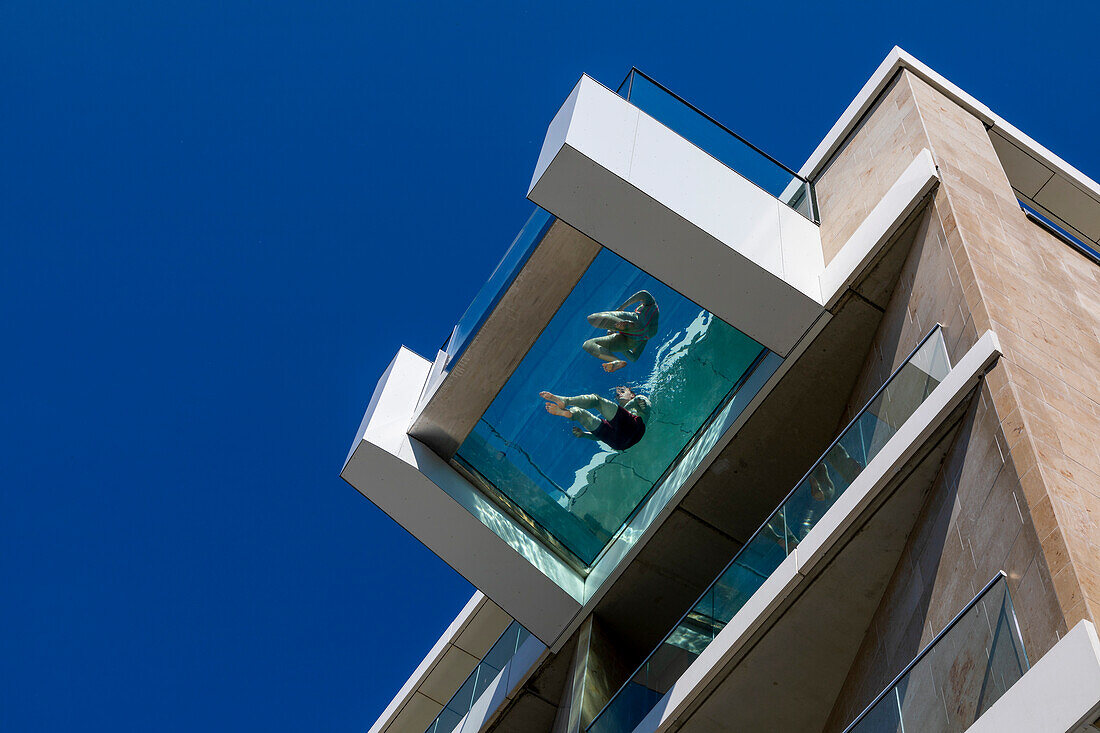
720	142
489	295
958	676
479	680
863	438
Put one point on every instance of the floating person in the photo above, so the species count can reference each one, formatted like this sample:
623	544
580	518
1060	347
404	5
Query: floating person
619	426
627	331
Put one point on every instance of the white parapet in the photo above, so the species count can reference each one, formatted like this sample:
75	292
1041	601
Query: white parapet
656	199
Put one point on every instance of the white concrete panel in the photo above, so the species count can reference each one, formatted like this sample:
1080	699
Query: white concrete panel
803	260
693	184
555	134
681	216
881	224
599	110
1059	694
440	508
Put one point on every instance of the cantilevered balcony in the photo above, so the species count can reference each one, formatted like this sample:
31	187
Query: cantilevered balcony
767	590
481	440
459	449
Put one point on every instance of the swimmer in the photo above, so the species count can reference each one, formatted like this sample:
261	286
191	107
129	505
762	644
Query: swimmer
627	331
620	425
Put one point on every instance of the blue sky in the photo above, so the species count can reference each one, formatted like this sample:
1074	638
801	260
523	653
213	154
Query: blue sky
220	219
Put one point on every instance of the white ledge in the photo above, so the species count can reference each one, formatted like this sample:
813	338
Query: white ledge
881	224
1060	694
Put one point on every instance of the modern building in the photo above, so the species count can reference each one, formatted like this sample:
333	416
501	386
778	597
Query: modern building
855	481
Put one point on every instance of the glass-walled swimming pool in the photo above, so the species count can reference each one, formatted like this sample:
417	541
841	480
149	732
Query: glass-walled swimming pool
616	386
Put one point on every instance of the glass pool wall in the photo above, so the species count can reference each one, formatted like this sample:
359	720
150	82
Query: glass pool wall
580	492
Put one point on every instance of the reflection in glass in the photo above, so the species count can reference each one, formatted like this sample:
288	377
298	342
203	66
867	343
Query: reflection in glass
542	445
719	141
958	676
826	481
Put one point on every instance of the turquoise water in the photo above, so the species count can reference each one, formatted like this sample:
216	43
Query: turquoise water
580	491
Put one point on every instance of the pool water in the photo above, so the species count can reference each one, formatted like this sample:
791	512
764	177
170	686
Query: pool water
579	491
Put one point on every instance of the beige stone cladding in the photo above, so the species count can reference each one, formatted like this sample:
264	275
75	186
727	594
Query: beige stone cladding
1020	488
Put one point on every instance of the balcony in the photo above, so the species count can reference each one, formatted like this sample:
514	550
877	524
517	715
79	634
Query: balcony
460	450
563	315
487	670
773	545
959	675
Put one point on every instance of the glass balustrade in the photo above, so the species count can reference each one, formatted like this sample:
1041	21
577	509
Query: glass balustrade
831	475
720	142
958	676
479	680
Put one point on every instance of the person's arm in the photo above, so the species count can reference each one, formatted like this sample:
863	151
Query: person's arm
642	296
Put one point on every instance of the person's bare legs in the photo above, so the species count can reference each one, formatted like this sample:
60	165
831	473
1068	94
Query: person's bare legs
607	347
571	407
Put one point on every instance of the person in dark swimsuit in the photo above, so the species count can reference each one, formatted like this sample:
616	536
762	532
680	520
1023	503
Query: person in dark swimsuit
627	331
619	425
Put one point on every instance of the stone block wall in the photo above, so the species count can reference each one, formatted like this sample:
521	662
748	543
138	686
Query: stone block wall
1020	488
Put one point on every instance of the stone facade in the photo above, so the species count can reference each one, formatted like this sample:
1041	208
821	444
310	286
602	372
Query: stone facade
1020	488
